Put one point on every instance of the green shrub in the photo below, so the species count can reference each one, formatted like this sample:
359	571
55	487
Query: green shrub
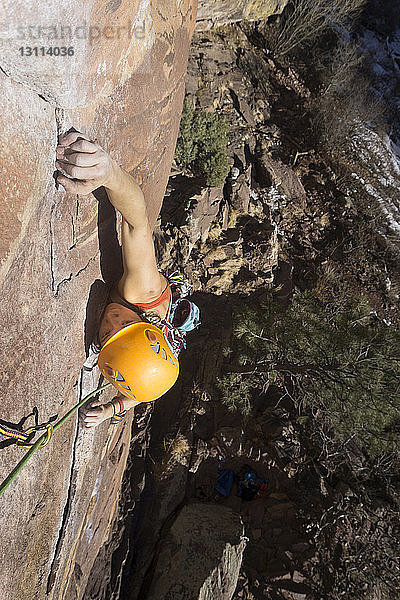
185	151
202	143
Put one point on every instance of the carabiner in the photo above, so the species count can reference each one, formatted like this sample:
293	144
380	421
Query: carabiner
49	433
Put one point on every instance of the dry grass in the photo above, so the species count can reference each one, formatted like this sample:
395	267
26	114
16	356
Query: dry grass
178	448
330	281
177	452
306	20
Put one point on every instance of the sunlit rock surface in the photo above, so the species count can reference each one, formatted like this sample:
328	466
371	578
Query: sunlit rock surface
201	555
55	251
378	152
220	12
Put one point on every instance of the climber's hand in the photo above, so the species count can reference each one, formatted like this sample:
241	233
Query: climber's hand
84	165
95	413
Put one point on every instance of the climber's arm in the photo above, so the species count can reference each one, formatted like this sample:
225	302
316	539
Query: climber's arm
91	167
141	281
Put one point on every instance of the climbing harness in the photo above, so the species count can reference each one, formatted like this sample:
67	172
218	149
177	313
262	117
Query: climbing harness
178	280
44	439
174	327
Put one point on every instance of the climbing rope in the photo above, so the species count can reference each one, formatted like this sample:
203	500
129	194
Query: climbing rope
44	439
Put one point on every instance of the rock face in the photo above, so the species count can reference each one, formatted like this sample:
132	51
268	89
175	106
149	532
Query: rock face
226	237
200	558
220	12
126	91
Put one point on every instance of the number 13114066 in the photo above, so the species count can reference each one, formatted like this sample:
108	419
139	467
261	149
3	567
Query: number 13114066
50	51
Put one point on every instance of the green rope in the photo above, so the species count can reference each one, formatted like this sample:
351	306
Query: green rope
10	478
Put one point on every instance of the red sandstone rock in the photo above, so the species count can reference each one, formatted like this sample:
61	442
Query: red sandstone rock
127	93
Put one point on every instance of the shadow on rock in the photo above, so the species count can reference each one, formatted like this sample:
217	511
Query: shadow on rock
110	265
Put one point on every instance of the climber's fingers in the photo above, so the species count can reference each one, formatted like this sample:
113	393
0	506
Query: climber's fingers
94	415
78	144
93	154
84	165
78	172
81	159
92	421
83	188
94	404
94	412
70	138
84	145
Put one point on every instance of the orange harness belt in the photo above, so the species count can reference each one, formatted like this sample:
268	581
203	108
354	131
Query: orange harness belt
166	295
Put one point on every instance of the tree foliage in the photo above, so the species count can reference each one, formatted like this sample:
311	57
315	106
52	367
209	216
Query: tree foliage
202	143
331	354
236	392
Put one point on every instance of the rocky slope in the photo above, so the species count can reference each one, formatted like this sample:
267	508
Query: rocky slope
380	45
280	214
212	13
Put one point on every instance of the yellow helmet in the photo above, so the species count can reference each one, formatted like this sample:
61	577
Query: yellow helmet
139	362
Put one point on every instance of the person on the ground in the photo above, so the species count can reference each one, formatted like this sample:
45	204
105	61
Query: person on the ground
142	330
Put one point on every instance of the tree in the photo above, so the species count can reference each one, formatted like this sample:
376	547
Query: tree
333	354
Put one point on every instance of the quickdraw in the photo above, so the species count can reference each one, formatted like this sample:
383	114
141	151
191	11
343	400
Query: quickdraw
44	438
180	288
181	285
175	338
25	444
23	438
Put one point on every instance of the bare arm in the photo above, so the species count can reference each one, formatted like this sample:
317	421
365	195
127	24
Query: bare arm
91	167
141	281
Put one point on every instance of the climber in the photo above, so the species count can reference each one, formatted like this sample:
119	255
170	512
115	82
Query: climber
143	326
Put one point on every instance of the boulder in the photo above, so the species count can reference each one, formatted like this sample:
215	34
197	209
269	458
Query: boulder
205	209
58	251
219	12
200	557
